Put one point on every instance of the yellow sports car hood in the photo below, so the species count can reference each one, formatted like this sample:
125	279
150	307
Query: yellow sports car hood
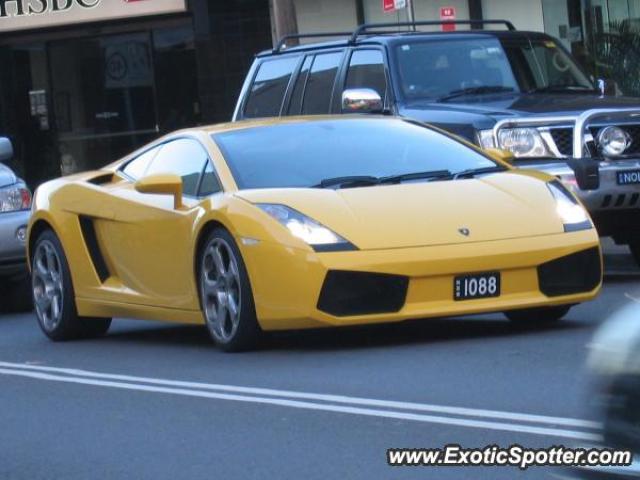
495	207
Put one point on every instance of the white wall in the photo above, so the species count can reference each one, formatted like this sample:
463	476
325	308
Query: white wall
326	15
424	10
524	14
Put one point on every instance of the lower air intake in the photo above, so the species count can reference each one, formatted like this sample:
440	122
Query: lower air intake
576	273
347	293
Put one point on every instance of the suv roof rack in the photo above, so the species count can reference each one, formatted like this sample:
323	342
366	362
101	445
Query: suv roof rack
363	29
283	40
366	27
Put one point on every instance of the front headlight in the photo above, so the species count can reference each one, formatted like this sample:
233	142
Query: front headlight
573	215
522	142
14	198
316	235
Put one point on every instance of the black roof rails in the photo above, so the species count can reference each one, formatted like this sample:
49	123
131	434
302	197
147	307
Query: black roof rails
283	41
362	29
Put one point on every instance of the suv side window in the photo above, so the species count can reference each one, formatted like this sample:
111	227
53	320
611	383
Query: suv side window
366	70
295	105
137	167
184	157
269	86
322	77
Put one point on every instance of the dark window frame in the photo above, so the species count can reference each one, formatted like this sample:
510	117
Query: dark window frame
159	146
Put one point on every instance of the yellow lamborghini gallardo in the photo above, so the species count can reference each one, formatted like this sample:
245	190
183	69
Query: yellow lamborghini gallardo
306	222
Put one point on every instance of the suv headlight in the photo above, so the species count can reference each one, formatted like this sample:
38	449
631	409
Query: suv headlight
316	235
14	198
522	142
571	212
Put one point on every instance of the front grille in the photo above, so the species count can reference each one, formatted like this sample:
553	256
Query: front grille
579	272
361	293
563	138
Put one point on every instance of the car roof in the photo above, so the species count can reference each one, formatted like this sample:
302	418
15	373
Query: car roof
393	37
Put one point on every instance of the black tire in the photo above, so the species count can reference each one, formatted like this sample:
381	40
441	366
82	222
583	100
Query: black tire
66	324
543	315
635	251
220	292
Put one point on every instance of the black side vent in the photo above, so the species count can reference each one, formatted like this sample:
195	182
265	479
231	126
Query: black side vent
91	241
579	272
101	179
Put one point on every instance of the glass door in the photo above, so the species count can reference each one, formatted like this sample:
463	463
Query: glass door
103	95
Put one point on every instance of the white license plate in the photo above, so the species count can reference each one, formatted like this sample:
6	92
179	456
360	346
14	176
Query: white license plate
480	285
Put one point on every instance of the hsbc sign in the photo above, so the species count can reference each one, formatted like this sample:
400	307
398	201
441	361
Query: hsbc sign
29	14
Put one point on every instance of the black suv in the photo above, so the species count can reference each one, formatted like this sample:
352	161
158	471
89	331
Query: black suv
507	89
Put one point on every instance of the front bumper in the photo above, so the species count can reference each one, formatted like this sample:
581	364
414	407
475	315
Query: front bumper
12	250
287	283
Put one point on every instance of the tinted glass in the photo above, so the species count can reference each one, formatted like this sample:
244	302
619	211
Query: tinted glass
185	158
366	70
137	167
210	184
433	69
269	87
295	106
542	64
303	154
317	94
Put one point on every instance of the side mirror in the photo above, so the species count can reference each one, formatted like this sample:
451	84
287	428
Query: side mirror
162	185
6	149
607	86
503	155
361	100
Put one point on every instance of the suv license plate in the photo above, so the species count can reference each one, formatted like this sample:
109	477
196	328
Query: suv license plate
481	285
629	177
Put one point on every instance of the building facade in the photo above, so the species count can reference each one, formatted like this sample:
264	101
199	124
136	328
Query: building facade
83	82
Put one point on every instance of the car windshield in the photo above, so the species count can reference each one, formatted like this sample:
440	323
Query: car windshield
316	153
443	70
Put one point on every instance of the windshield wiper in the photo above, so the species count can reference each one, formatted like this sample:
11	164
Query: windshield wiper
435	174
475	91
472	172
564	89
348	181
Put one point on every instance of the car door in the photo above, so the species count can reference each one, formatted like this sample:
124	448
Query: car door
148	244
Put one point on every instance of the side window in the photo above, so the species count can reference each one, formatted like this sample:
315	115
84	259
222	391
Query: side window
210	183
295	106
268	88
183	157
366	70
317	94
137	167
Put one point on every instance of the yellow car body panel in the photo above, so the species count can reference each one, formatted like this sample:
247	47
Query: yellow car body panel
150	247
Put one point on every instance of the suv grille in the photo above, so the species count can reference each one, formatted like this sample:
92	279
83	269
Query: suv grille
563	138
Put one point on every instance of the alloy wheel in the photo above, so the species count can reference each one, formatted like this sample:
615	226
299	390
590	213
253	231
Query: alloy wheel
47	285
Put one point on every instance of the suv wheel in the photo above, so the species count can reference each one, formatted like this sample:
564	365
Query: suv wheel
53	294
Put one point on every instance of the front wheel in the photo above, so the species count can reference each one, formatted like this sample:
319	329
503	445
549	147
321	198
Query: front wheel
225	294
53	295
543	315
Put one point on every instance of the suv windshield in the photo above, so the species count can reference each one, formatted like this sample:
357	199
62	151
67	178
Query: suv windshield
332	152
441	70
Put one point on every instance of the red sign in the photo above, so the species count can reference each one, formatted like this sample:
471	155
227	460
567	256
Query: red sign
448	13
388	5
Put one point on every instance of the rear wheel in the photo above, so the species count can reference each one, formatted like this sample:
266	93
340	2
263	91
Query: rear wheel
53	295
538	315
225	293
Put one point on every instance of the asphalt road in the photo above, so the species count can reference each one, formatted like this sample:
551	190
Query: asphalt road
157	401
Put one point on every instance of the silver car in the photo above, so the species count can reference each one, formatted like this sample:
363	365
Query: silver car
15	204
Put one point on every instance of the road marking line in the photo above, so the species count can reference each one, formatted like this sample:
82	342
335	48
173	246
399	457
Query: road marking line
507	427
368	402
